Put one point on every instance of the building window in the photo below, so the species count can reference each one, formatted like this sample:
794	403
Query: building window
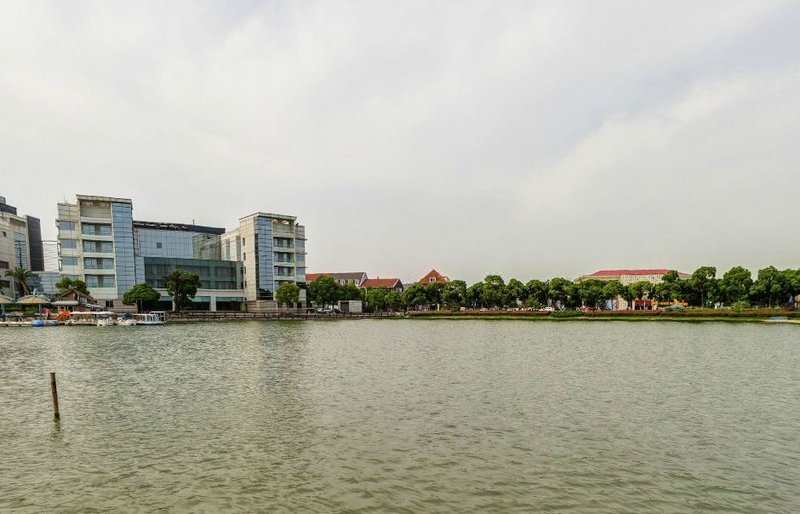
158	244
69	244
66	225
100	281
4	265
69	261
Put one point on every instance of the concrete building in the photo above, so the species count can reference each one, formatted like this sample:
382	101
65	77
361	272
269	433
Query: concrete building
101	244
95	237
20	244
355	278
432	277
392	284
272	250
629	276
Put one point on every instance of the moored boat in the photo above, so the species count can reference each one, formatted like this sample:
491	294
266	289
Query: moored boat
151	318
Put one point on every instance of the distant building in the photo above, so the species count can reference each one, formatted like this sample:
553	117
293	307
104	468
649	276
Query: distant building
393	284
431	277
272	250
20	244
355	277
628	276
101	244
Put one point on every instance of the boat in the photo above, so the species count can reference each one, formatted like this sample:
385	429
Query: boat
87	318
782	319
151	318
45	323
125	322
104	318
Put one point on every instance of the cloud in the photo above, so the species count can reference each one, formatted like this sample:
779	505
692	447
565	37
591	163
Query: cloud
477	138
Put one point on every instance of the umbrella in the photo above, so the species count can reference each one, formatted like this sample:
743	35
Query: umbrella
32	299
4	300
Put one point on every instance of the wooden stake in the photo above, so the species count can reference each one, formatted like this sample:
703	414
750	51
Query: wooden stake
54	390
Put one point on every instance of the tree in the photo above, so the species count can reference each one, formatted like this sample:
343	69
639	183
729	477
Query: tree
415	295
454	293
142	295
639	290
703	284
735	285
614	289
324	291
182	287
377	298
558	291
66	283
537	293
394	300
433	292
494	291
287	293
516	293
20	276
349	292
474	295
771	286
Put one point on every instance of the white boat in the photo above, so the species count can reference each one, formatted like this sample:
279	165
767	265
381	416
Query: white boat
104	318
96	318
126	322
151	318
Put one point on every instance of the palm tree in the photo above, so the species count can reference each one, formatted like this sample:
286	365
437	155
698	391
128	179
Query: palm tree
21	276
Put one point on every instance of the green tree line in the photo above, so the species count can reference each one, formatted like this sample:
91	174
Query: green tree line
736	288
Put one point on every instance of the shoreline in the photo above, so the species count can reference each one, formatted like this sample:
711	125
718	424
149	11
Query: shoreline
695	316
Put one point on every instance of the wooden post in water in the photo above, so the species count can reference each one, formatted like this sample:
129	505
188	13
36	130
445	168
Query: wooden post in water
54	390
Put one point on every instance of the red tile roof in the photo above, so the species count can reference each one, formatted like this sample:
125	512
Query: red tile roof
432	274
391	283
616	272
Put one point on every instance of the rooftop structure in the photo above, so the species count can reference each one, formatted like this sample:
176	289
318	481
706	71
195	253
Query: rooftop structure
354	277
627	276
431	277
20	244
390	283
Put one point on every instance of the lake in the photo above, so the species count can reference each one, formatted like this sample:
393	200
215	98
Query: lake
402	416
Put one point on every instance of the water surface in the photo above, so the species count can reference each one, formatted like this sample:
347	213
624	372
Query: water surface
407	416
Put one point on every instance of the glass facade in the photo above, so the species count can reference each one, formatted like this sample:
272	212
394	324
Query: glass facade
214	274
122	220
98	263
98	246
165	243
264	264
100	281
95	229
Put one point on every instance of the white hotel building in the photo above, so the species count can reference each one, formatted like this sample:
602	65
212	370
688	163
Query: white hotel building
101	244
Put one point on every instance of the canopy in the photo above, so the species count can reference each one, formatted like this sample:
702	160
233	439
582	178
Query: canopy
4	300
33	300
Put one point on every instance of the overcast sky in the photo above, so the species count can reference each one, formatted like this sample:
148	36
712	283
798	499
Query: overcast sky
529	139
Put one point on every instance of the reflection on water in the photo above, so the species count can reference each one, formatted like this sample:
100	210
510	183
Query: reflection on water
403	416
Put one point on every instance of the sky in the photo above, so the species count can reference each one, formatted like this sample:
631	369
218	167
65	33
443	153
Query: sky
527	139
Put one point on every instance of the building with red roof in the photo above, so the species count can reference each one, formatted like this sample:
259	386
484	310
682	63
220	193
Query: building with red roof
628	276
354	277
432	277
393	284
